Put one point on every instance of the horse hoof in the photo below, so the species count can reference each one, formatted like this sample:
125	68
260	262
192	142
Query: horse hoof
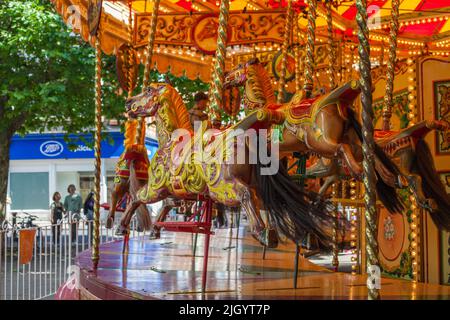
272	238
121	231
156	234
267	237
109	223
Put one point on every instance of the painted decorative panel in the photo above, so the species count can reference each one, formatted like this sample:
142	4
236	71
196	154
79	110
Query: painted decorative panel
445	241
399	110
394	242
442	112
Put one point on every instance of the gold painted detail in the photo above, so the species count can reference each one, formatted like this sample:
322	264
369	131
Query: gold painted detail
224	191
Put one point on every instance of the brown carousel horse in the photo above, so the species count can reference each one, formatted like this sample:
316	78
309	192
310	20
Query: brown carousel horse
180	169
320	125
407	148
410	151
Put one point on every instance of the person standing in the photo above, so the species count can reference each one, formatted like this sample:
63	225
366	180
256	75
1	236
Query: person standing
73	204
56	215
88	209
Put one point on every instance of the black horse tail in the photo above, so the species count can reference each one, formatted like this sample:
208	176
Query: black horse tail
292	210
432	186
387	194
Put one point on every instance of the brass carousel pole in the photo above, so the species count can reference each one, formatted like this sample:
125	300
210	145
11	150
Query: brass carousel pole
97	151
219	65
94	22
150	45
331	52
284	52
368	144
140	131
353	228
134	136
216	100
311	38
297	54
331	61
335	259
350	69
342	61
390	73
131	60
130	73
382	53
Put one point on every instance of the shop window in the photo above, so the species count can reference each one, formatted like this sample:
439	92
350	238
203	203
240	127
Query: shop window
29	190
87	185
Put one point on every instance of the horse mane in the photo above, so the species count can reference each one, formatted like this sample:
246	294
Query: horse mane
178	106
263	83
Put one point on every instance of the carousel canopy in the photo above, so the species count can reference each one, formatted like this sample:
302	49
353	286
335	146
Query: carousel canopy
187	30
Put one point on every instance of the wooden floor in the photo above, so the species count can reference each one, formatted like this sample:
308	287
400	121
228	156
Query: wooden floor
166	269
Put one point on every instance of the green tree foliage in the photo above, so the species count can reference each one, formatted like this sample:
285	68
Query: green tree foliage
186	87
47	78
47	72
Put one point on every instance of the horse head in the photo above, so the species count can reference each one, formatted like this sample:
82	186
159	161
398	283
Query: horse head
239	75
145	104
209	30
258	86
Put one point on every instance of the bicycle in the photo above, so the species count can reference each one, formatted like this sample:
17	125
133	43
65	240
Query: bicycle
15	226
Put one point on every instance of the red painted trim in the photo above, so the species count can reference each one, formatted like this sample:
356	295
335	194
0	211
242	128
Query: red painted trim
429	5
428	258
184	4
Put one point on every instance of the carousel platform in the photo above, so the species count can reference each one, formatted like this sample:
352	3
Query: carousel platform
166	269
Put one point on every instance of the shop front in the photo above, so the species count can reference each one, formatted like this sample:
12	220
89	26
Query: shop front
42	164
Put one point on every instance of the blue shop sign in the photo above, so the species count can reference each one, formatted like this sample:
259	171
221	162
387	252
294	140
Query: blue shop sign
53	146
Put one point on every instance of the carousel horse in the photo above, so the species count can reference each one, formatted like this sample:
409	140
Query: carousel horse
184	167
134	155
410	151
318	125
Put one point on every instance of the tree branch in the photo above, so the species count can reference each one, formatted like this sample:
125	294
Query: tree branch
16	123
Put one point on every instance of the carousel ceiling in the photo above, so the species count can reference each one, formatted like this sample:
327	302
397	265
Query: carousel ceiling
186	33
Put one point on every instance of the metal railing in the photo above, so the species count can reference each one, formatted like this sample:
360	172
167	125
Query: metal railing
53	253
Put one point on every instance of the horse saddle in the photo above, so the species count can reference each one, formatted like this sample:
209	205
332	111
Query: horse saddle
139	156
302	109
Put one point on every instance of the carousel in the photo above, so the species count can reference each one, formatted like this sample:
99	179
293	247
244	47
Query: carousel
326	130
